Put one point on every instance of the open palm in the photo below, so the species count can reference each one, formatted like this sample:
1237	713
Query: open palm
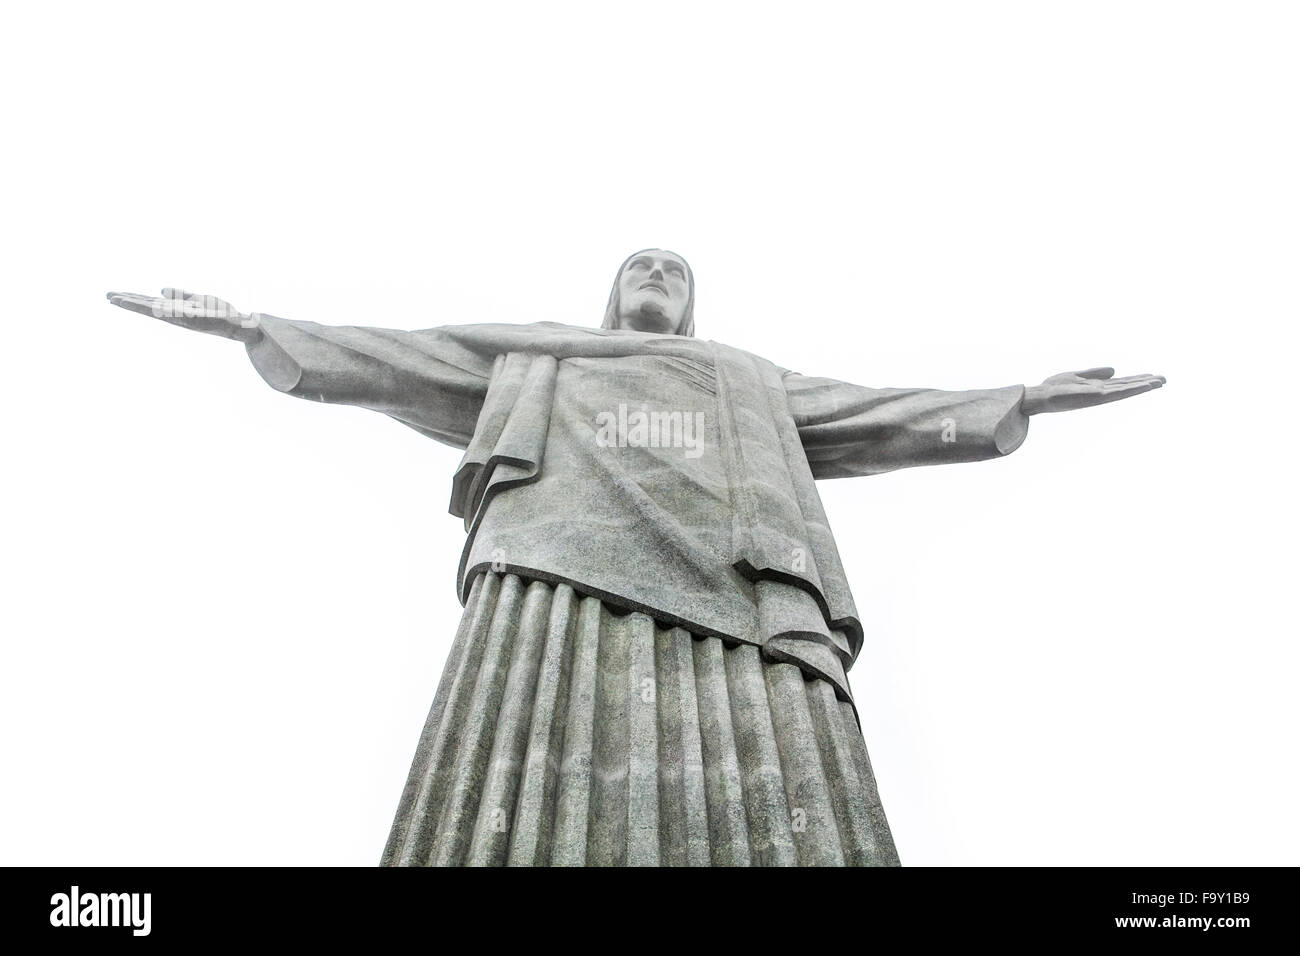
1091	386
202	313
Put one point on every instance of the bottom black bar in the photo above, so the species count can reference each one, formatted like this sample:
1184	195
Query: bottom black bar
1231	907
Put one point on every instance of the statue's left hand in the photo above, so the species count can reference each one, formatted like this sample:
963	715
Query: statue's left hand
1092	386
202	313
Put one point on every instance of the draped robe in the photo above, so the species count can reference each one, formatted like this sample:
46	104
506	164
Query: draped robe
724	536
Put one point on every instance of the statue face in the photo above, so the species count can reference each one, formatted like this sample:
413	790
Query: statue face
652	292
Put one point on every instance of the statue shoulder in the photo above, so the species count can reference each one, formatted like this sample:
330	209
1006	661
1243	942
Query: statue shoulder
734	354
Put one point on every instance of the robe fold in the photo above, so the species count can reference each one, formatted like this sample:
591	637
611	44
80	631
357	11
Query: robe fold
662	474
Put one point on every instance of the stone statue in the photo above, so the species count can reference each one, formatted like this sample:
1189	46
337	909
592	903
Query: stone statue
650	667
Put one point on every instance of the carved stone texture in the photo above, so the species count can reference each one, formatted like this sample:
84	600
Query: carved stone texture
652	663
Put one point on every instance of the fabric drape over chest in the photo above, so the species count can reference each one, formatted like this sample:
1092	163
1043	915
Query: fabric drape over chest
777	542
492	390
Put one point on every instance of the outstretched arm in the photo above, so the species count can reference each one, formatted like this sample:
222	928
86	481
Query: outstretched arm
848	430
423	378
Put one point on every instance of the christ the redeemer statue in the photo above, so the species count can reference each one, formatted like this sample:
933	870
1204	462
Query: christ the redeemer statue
650	668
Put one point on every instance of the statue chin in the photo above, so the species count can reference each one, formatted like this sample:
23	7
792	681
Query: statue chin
648	318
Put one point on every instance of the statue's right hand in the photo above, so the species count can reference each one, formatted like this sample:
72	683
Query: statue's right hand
202	313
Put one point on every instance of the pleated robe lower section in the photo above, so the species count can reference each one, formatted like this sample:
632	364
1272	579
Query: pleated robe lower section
565	733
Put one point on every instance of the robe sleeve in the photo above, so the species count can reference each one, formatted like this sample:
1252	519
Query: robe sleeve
848	430
426	379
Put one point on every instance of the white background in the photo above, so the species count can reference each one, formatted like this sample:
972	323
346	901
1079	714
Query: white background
225	611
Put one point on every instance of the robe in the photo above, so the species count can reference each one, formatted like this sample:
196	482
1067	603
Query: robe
660	473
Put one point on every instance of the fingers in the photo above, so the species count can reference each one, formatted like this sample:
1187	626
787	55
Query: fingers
1115	393
1146	378
144	304
158	307
1100	377
172	300
175	303
1125	379
199	313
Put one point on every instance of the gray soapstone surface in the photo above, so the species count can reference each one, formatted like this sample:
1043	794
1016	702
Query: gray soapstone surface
642	528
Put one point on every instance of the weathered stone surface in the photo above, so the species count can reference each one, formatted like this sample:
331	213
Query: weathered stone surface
582	736
642	518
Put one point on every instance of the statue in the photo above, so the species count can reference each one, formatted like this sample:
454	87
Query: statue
651	664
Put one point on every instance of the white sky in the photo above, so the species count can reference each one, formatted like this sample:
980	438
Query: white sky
225	611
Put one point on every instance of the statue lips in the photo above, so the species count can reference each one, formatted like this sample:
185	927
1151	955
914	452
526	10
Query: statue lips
653	285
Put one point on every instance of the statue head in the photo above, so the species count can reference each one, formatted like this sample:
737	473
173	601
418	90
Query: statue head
654	291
